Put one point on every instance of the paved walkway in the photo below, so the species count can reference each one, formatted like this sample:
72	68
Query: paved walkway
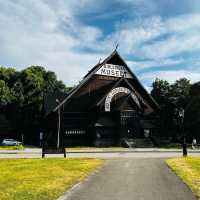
104	155
132	179
102	150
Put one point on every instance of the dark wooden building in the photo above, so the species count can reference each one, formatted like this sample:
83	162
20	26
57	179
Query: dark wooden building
108	107
192	114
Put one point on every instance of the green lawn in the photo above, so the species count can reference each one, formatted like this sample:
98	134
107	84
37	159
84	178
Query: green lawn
42	179
20	147
188	169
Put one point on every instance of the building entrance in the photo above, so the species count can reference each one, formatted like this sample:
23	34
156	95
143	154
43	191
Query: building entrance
129	124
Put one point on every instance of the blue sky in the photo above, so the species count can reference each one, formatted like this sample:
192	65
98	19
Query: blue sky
157	38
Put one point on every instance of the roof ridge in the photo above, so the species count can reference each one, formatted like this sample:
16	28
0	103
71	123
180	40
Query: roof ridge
86	78
94	70
135	77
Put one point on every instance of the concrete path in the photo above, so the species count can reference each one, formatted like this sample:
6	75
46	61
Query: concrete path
103	155
132	179
103	150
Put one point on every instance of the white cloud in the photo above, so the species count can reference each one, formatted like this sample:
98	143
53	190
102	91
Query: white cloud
158	38
133	34
172	46
171	76
142	65
183	23
37	33
49	33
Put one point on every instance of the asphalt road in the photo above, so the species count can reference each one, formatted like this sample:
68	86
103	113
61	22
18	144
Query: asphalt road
132	179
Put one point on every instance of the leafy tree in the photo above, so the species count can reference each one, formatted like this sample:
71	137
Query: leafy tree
6	94
170	97
33	83
181	87
192	112
8	75
177	93
37	82
160	91
180	91
22	93
51	83
18	90
193	107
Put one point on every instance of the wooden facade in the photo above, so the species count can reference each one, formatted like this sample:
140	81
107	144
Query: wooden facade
108	106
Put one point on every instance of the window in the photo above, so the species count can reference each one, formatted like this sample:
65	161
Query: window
75	132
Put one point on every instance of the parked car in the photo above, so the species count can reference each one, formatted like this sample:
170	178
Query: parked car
10	142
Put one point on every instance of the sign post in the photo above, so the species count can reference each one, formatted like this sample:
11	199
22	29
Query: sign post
182	115
53	151
58	134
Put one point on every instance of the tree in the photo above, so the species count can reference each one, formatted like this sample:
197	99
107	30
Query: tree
51	83
181	87
32	81
6	94
160	91
170	97
22	94
180	91
37	82
192	112
8	75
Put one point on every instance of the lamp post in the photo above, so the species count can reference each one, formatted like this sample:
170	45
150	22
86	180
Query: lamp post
58	130
22	139
181	117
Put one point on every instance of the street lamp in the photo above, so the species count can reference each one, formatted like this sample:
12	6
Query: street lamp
181	117
58	130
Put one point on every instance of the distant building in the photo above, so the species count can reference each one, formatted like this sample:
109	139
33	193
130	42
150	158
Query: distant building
108	107
192	113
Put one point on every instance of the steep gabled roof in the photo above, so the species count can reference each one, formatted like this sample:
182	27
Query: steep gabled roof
50	101
89	75
130	86
138	82
85	80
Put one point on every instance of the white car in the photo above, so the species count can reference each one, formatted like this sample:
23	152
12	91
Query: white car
10	142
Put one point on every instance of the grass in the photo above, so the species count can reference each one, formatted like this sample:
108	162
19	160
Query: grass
188	169
20	147
42	179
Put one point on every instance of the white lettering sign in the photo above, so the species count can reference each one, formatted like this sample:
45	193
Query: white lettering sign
115	91
114	70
